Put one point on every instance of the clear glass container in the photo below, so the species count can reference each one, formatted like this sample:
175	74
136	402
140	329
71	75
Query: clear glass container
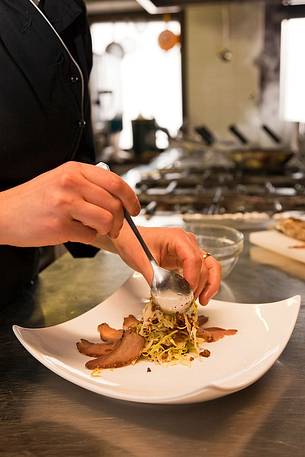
224	243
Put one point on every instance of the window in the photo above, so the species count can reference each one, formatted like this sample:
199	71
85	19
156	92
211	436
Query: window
293	70
145	82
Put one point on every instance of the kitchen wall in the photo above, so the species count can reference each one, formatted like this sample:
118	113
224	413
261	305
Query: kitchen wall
242	85
221	92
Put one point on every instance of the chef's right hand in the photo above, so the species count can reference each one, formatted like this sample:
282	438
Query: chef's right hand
70	203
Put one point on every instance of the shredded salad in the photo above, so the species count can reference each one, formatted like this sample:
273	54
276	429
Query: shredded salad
169	338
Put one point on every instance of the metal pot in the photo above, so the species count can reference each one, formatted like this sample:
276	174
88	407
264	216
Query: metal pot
260	158
251	157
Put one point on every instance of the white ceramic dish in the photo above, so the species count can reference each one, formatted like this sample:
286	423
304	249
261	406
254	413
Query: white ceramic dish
235	362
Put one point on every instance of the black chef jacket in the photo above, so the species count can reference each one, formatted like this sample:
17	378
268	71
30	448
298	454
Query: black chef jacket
44	108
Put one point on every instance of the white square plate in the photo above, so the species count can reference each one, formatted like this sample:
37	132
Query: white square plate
235	362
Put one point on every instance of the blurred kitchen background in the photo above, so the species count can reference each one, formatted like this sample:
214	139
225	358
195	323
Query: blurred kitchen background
202	102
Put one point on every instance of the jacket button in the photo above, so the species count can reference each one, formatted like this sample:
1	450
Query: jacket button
82	123
74	79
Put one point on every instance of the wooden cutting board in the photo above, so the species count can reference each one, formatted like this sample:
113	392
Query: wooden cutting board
279	243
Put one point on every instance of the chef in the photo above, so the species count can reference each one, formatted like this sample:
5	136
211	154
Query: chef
51	193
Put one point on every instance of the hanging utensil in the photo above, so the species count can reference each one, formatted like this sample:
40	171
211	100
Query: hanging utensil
225	54
271	134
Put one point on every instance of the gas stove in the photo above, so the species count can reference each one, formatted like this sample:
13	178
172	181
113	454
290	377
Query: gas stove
220	190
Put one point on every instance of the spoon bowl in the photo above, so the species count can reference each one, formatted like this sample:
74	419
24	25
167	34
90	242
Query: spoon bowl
170	290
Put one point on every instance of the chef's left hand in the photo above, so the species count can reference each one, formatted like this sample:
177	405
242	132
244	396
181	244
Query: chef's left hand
173	249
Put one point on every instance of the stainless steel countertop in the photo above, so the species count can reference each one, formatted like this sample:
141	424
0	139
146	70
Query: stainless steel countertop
44	415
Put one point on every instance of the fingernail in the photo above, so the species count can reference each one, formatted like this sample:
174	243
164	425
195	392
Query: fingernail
204	302
135	212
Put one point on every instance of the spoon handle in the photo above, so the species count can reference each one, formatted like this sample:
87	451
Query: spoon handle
135	230
132	225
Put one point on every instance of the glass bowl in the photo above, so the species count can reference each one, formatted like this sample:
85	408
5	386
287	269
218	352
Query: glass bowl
224	243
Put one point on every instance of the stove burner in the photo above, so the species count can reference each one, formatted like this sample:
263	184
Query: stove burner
219	190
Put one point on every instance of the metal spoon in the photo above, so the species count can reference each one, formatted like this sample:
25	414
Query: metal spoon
169	290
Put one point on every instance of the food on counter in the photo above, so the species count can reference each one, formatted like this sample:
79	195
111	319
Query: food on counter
252	216
294	228
239	220
157	337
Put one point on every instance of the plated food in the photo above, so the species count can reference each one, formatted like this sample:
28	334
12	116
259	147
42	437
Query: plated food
234	364
158	337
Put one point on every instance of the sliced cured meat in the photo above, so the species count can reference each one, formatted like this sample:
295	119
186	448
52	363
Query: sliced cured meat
126	352
212	334
94	349
108	333
202	320
130	322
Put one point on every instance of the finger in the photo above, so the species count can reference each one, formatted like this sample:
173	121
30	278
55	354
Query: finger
214	278
203	279
189	257
100	197
213	283
197	270
93	216
114	185
80	233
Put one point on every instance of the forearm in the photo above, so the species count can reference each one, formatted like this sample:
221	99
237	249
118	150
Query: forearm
125	241
5	232
128	247
105	242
